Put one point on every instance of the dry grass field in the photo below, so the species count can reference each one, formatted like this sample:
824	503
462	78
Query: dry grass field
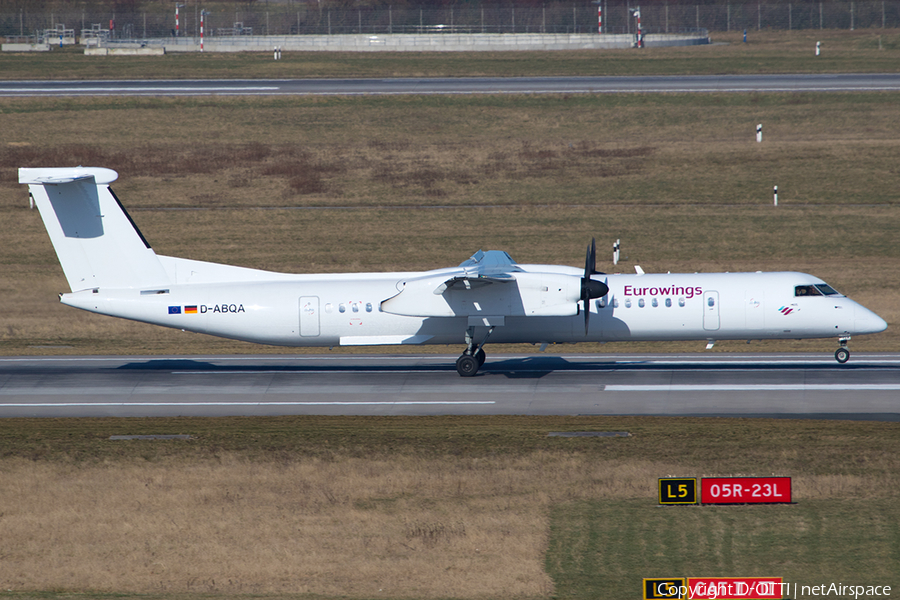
359	184
466	507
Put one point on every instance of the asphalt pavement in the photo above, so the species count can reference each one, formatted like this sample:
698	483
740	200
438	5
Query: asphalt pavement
841	82
745	385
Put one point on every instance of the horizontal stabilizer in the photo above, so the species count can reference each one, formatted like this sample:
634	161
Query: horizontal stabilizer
67	175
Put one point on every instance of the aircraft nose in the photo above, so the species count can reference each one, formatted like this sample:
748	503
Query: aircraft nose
865	321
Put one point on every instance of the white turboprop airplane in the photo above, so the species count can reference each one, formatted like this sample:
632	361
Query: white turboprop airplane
112	270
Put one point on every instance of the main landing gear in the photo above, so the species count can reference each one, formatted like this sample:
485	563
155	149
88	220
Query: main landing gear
842	354
471	360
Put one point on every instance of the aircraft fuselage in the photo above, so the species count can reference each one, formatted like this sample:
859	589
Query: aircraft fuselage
346	310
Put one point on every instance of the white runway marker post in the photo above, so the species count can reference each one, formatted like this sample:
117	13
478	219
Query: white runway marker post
776	195
616	247
759	132
203	14
818	48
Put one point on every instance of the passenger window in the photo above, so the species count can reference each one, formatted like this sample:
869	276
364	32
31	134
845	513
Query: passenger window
601	303
628	303
711	301
368	307
681	302
329	307
654	303
342	308
355	307
641	303
615	303
668	303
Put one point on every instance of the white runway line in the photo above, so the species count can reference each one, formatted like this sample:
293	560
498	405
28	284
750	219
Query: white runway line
786	387
189	404
78	90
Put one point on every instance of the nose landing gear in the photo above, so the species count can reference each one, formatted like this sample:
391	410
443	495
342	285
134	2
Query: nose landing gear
842	354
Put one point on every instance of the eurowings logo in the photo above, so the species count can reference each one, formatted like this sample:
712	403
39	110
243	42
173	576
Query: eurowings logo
786	310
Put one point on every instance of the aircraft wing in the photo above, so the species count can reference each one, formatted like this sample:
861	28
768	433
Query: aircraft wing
489	284
469	282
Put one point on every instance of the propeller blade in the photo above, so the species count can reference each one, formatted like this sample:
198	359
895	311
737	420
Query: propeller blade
587	317
591	289
593	254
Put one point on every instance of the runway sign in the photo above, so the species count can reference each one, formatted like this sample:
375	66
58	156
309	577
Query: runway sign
680	490
672	588
733	588
745	490
713	588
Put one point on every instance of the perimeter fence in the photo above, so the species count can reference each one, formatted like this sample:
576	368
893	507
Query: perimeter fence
315	18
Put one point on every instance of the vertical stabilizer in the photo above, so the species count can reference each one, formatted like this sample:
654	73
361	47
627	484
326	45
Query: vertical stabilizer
97	243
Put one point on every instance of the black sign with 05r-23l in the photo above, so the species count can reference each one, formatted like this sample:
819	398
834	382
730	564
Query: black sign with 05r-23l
681	490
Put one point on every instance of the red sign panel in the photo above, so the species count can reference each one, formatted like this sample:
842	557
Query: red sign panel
745	490
730	588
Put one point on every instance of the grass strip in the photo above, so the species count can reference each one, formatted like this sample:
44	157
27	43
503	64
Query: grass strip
861	51
604	549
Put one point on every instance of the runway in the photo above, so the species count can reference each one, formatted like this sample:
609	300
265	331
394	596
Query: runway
843	82
742	385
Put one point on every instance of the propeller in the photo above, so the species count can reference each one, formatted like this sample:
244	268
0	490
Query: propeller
590	288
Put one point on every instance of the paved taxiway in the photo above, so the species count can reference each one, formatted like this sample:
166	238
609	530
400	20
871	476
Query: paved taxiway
841	82
798	386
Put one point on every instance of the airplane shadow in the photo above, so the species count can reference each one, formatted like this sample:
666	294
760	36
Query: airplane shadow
531	367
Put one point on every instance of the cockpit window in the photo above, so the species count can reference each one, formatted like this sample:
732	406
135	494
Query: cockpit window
819	289
806	290
827	289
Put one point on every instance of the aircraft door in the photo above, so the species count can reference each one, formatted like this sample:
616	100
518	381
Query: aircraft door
754	303
309	316
711	311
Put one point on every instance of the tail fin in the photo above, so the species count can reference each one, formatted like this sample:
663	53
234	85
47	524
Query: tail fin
97	243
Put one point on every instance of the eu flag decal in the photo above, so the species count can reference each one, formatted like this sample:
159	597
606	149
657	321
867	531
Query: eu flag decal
174	310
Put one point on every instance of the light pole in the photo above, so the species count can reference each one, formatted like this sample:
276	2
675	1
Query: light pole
203	14
177	6
599	4
636	12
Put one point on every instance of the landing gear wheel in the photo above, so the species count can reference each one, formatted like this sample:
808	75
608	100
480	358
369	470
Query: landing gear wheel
480	356
467	365
842	355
